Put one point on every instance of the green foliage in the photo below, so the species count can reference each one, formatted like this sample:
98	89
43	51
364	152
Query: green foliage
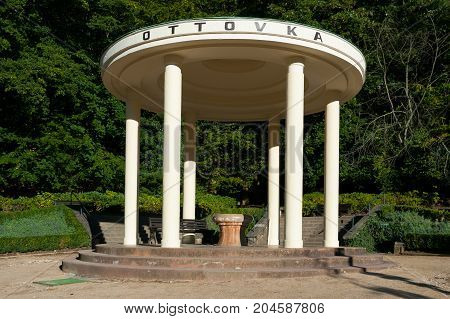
429	213
409	226
364	238
255	213
428	242
61	131
41	229
357	203
211	204
96	201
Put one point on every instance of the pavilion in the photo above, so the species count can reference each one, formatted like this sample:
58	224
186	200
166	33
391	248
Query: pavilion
230	69
233	69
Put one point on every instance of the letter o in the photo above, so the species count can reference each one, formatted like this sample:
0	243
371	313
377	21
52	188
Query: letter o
229	25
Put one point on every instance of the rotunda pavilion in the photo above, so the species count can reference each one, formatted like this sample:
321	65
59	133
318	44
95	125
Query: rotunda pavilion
233	69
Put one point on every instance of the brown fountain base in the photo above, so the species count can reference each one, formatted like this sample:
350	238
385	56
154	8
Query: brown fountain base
218	263
230	229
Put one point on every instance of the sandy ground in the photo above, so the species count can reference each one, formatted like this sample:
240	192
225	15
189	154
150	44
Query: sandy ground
415	277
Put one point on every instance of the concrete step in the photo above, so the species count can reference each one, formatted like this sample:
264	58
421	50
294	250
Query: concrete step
113	232
109	271
215	263
213	251
219	263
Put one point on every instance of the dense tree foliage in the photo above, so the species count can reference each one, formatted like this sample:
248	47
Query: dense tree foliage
60	130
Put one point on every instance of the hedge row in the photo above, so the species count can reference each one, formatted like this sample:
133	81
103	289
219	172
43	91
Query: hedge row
41	229
100	202
429	213
356	203
427	242
411	227
209	203
253	213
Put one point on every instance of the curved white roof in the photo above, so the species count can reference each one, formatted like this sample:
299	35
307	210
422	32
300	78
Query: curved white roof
234	69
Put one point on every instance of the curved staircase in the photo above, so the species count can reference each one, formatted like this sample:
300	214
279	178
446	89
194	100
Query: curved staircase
218	263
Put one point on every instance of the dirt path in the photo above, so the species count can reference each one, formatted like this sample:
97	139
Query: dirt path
416	277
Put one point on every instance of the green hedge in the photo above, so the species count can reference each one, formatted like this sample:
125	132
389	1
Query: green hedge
209	203
429	213
99	202
357	203
255	213
390	225
427	242
41	229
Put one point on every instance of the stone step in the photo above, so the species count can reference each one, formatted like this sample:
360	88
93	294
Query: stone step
375	266
212	251
214	263
313	241
110	271
113	231
219	263
366	259
351	251
113	236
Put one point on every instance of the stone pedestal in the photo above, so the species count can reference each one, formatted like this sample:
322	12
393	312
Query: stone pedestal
230	229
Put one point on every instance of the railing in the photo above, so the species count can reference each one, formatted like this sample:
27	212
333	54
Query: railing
84	212
358	225
258	229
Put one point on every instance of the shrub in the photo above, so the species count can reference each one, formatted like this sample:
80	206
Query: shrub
357	203
439	242
208	203
364	239
410	226
41	229
360	202
211	204
23	203
429	213
256	213
150	204
313	204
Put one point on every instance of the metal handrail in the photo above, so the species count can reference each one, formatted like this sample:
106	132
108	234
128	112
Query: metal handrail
356	227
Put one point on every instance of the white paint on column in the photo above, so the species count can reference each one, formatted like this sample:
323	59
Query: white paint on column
273	185
332	174
189	167
171	163
294	156
133	115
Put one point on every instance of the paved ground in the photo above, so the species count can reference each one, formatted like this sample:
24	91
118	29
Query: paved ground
416	277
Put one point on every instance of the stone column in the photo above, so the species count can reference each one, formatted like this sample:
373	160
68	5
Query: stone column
171	163
133	116
273	185
294	156
332	174
189	167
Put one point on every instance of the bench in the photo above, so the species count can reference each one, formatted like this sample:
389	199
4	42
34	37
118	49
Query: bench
187	226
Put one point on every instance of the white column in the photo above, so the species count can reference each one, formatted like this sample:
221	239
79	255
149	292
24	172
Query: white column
332	174
171	163
273	185
189	167
294	156
133	115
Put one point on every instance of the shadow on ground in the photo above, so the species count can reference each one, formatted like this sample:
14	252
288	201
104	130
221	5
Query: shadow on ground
400	293
408	281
